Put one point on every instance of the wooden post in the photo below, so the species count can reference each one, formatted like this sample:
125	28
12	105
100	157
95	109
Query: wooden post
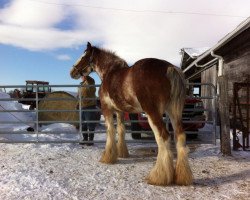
224	115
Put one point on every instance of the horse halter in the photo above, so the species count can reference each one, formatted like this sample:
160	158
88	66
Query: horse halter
90	64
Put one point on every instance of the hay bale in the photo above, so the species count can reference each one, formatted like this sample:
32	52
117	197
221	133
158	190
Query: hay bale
70	104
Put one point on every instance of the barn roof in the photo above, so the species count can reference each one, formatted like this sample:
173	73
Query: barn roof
195	52
190	54
206	58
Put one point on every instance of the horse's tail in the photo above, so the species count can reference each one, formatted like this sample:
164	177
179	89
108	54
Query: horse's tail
178	89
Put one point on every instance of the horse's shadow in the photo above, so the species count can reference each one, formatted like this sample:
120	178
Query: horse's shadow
149	155
140	155
220	180
198	182
214	152
132	159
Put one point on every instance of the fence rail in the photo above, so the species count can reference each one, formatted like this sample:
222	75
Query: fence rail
9	129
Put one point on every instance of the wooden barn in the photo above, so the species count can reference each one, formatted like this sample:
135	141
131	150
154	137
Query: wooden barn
227	66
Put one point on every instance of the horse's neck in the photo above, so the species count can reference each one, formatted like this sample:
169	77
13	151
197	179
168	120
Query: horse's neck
105	68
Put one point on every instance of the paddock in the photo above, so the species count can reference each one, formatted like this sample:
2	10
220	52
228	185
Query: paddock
55	166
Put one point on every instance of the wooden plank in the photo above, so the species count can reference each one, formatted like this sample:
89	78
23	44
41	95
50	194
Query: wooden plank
224	115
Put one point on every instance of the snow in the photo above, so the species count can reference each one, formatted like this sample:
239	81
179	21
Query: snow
70	171
195	52
14	116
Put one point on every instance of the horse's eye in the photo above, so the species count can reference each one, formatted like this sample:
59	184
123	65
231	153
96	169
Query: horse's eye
84	53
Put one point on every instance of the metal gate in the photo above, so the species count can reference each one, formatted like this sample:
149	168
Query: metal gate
14	128
241	115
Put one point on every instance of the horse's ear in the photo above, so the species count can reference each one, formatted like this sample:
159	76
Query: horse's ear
89	45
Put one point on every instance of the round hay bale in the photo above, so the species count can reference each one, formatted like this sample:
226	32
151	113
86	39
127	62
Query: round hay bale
58	104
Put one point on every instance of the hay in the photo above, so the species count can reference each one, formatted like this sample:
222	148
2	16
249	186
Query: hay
60	104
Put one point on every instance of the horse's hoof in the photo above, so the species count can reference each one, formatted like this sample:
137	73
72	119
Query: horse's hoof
160	176
183	173
123	154
122	150
183	178
158	181
108	159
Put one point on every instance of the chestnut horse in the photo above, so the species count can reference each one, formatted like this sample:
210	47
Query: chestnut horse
150	85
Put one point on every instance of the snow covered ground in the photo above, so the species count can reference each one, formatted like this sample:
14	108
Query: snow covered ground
71	171
68	171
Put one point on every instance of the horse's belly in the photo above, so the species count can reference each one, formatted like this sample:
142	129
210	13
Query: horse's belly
123	104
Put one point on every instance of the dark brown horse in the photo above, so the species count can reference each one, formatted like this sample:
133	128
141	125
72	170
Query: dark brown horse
150	85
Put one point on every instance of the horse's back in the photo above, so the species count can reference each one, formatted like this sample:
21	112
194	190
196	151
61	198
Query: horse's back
151	62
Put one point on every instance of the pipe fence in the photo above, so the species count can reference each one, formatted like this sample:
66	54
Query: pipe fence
22	125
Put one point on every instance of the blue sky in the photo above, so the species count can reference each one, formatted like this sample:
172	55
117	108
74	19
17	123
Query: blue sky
41	39
20	64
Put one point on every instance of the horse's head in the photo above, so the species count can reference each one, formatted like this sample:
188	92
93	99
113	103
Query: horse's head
84	65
